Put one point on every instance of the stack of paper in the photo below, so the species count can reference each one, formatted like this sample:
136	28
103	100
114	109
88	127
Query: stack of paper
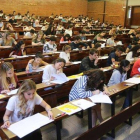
82	103
33	122
100	98
133	80
59	78
69	108
12	92
77	62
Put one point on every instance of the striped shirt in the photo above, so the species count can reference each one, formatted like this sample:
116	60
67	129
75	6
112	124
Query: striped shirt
78	90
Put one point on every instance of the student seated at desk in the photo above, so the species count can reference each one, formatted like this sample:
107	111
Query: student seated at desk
54	68
22	105
30	34
89	62
12	20
77	43
133	53
1	23
50	31
96	40
110	42
38	40
82	36
50	46
8	79
8	40
45	27
66	53
60	29
130	46
28	28
7	26
69	30
136	39
87	30
18	50
36	62
114	56
66	37
119	75
89	85
136	69
112	31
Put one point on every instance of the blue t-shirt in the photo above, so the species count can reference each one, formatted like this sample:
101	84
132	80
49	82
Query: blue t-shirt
112	55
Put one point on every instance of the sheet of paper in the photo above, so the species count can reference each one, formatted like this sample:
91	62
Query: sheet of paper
77	62
59	78
100	98
69	108
103	57
82	103
2	96
21	56
29	124
12	92
133	80
103	45
105	70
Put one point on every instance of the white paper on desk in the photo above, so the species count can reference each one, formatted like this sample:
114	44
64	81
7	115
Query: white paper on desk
21	56
77	62
103	45
119	43
133	80
105	70
30	55
29	124
103	57
82	103
12	92
59	78
39	69
100	98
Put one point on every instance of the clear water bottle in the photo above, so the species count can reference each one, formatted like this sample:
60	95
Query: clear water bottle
30	68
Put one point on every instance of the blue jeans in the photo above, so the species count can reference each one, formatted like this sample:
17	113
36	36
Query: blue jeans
128	98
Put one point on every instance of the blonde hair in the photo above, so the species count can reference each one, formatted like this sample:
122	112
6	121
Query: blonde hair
66	47
4	80
25	86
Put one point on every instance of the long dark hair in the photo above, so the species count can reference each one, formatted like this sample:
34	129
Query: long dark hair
134	50
95	79
18	46
124	63
67	36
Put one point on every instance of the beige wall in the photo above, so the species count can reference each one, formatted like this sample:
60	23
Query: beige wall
133	2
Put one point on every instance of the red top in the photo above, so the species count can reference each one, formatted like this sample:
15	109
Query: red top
18	53
135	68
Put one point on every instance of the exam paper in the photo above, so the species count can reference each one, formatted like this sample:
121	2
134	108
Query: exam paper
69	108
59	78
33	122
77	62
100	98
12	92
103	57
82	103
133	80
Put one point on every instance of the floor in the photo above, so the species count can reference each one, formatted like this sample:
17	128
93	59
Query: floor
74	126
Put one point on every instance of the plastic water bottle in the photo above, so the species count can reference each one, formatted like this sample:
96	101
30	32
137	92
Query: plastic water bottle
30	68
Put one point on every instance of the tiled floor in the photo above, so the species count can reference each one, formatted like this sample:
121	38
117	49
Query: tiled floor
74	126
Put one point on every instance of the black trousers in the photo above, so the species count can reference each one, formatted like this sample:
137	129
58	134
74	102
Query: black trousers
35	135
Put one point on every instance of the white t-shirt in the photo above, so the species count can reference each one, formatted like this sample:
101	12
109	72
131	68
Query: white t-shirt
68	32
65	56
12	105
28	34
110	42
129	56
47	73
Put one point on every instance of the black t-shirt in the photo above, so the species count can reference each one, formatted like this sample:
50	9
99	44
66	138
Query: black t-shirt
112	55
87	64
